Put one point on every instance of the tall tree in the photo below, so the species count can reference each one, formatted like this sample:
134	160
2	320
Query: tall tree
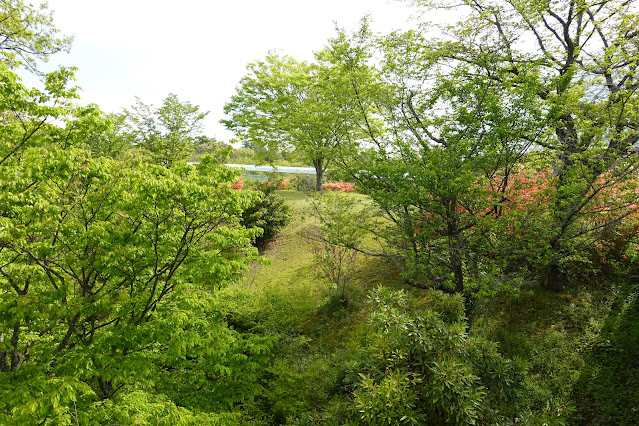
111	141
104	266
442	141
82	318
166	133
27	35
285	105
469	99
582	58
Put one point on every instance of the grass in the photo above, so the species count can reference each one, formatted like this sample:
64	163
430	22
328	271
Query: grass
284	297
580	347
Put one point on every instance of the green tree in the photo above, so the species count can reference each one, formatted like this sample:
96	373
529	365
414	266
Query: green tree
204	145
113	259
580	59
105	266
166	133
283	104
342	223
349	74
110	141
450	137
28	35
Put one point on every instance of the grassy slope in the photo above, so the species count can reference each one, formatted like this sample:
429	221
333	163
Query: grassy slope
286	298
582	346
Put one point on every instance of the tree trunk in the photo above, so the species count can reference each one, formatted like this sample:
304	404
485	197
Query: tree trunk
556	279
106	388
4	365
319	173
455	247
458	272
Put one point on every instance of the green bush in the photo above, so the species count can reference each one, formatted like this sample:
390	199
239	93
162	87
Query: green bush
303	182
419	368
268	212
340	229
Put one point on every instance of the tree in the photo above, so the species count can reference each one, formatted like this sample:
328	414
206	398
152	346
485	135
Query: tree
113	259
461	111
341	224
107	268
205	145
581	59
28	35
167	133
445	141
286	104
111	141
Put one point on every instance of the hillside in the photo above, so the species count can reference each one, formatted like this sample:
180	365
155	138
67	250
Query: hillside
576	349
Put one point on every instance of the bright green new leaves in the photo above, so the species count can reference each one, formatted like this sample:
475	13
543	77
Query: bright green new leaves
292	106
98	265
27	114
166	134
27	34
277	106
107	268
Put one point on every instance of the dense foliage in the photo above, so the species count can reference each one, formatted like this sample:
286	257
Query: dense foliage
107	267
268	211
424	368
495	164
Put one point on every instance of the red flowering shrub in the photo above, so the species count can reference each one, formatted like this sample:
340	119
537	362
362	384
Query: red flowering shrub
508	227
603	230
239	184
280	184
338	186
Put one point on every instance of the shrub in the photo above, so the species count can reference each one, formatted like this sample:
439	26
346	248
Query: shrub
303	182
284	183
239	184
340	228
419	366
336	264
338	186
269	212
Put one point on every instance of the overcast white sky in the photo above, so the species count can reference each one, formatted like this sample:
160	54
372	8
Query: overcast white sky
197	49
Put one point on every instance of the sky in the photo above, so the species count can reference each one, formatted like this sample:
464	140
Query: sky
197	49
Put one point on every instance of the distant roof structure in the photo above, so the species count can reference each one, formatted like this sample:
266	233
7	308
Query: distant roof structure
281	169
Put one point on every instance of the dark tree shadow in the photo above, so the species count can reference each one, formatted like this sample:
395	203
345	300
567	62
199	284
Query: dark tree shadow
607	392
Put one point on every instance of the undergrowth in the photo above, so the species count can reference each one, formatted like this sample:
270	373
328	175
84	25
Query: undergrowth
577	350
